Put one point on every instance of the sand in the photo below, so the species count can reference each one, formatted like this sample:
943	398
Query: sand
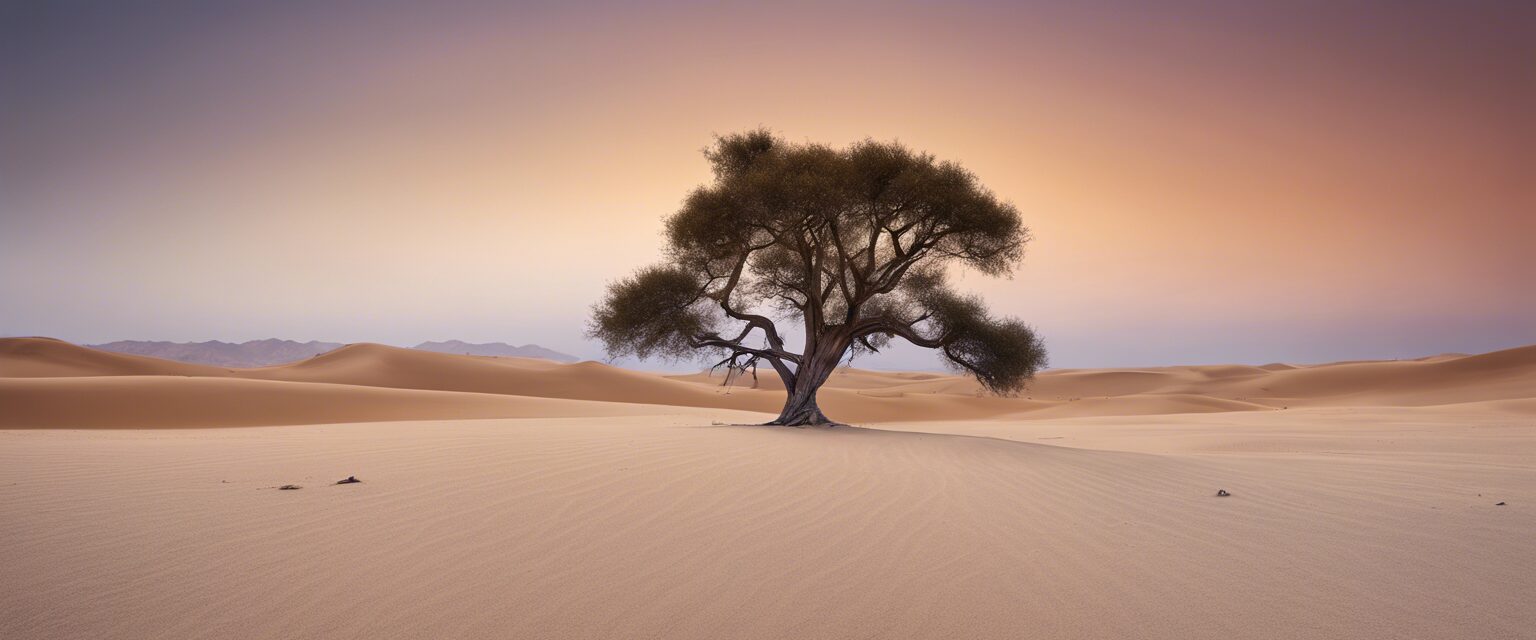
495	508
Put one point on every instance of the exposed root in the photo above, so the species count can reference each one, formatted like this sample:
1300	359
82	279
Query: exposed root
810	418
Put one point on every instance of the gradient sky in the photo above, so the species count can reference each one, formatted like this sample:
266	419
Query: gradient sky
1206	181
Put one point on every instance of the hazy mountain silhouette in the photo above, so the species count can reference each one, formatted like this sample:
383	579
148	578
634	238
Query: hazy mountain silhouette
496	349
255	353
269	352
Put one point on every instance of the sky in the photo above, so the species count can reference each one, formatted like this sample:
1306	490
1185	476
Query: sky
1205	181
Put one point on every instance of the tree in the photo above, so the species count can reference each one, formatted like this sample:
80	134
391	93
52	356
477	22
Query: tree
852	243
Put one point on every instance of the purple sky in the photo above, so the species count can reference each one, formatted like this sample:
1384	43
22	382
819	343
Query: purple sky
1207	181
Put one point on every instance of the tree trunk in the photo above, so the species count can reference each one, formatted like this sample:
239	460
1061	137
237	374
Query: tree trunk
800	409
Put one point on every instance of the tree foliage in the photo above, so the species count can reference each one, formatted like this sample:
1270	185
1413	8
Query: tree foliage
852	244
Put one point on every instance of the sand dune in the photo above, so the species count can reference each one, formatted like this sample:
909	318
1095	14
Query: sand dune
157	402
47	357
382	366
851	395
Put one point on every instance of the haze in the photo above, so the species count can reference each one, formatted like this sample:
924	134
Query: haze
1206	183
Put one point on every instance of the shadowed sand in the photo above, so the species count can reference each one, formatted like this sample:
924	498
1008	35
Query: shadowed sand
580	518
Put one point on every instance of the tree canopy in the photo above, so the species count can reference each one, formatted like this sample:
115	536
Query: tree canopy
852	244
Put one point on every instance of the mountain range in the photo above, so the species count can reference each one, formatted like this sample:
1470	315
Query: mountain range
496	349
272	351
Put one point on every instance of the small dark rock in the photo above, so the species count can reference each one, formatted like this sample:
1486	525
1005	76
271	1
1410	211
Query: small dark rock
1222	493
348	480
1498	504
289	487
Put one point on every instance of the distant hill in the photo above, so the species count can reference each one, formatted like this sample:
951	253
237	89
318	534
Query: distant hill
269	352
255	353
496	349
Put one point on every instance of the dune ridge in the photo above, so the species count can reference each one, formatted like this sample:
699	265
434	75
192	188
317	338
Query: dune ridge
160	402
399	378
50	357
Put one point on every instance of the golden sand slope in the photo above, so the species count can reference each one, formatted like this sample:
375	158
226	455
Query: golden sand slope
48	358
157	402
373	382
665	527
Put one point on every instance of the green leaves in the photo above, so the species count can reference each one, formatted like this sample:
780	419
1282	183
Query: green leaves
871	209
735	153
1002	353
657	311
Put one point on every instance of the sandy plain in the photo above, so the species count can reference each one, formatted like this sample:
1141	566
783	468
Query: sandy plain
504	498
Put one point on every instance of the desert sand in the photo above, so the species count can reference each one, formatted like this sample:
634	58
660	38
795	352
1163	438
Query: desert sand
506	497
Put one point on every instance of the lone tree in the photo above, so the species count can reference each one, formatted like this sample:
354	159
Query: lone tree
852	243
